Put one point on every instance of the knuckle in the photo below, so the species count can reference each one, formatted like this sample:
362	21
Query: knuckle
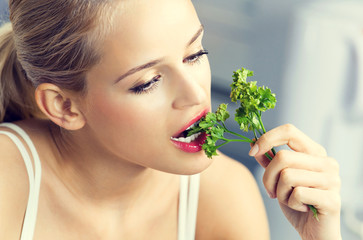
333	202
332	164
294	201
337	182
285	175
264	138
330	181
297	193
281	156
289	128
321	150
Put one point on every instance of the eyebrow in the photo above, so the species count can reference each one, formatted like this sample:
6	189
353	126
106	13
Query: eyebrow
196	35
157	61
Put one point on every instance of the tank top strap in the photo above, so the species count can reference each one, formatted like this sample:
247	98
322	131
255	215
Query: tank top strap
34	177
188	206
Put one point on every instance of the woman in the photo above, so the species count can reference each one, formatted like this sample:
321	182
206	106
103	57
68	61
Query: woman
104	89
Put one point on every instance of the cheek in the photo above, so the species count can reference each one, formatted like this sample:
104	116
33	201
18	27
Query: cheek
129	129
109	113
128	117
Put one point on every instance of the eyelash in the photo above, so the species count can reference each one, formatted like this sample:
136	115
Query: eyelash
146	87
195	58
153	83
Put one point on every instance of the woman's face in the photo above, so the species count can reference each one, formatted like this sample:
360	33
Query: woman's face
152	83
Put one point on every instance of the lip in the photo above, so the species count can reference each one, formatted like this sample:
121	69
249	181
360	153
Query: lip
193	146
195	119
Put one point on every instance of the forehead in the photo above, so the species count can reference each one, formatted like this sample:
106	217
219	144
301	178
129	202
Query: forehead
150	28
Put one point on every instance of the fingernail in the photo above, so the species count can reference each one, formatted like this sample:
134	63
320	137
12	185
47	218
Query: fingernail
253	150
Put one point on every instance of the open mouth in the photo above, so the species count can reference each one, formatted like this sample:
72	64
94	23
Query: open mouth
192	143
183	136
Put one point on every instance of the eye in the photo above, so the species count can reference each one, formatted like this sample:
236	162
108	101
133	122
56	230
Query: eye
147	87
195	58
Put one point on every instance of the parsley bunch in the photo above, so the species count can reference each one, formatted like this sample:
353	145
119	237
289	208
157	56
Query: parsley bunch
253	101
213	124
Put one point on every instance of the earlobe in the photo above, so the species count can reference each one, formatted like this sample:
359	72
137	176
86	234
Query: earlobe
59	106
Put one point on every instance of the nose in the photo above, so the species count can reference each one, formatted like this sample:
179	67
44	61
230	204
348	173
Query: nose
190	90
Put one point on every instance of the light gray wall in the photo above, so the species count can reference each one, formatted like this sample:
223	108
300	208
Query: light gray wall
255	34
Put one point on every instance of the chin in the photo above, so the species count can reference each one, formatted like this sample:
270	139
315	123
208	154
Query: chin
195	165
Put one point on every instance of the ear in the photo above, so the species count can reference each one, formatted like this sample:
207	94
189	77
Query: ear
59	106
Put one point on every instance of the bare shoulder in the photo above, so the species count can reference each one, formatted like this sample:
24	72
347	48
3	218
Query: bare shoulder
14	188
230	205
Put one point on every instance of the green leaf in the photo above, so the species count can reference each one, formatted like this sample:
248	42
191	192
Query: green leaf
209	146
217	132
205	123
222	114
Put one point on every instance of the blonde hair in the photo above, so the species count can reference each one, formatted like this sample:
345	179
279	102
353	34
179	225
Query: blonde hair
48	41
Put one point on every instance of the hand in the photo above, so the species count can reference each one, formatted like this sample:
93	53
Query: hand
299	177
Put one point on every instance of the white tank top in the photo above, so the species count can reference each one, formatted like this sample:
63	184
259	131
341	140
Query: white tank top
188	195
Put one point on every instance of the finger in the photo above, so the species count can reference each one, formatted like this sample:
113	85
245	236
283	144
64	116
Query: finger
285	159
290	135
291	178
325	201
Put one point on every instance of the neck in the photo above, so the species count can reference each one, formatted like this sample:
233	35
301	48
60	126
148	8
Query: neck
93	175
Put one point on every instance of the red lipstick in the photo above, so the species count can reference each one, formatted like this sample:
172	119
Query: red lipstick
193	146
192	143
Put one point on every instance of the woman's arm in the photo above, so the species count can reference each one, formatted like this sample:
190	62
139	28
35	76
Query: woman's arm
301	177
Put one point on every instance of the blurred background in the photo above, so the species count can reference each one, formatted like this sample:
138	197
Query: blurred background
310	53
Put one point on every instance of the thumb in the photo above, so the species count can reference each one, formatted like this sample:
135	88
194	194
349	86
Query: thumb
261	159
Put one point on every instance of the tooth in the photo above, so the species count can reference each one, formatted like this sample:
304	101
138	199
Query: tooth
190	126
187	139
195	136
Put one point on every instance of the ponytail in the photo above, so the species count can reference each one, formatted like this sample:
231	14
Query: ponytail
16	92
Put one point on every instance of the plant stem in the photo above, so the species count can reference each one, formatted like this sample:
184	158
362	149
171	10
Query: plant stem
236	140
264	131
268	156
273	151
220	145
254	127
254	133
315	212
226	140
261	123
239	135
